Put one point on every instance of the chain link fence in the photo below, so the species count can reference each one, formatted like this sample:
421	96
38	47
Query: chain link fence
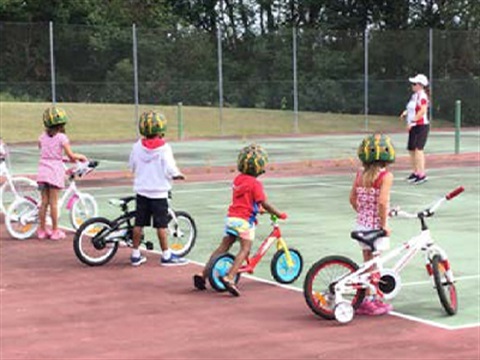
289	81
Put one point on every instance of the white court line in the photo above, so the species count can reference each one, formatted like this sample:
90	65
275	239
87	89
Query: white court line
460	278
393	313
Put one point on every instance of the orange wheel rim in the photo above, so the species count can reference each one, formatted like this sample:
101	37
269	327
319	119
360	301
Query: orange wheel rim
176	246
321	299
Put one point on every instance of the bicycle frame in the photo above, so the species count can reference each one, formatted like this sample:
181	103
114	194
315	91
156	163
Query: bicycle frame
275	235
362	277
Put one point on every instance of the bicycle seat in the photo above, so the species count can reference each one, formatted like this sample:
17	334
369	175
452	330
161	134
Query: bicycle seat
368	237
122	201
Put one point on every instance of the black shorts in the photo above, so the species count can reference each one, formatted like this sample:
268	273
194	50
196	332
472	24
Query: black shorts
147	209
417	137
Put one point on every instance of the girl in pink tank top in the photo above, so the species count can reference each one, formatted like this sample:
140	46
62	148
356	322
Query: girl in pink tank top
370	197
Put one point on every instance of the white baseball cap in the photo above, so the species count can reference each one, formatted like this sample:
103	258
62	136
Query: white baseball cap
419	79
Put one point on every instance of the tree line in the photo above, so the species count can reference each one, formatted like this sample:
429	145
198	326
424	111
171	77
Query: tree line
177	52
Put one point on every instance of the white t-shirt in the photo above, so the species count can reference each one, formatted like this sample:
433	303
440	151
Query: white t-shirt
416	102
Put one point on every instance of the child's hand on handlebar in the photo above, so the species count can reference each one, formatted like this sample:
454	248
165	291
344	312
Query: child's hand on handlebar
283	216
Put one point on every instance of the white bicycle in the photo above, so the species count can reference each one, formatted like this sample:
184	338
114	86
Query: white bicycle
14	187
335	286
22	215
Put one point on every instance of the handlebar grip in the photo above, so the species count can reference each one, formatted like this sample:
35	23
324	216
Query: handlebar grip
454	193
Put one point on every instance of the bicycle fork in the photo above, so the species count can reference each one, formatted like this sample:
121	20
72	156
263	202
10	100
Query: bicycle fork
282	245
431	252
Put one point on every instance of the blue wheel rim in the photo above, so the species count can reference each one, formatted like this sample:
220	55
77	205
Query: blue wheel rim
285	272
221	268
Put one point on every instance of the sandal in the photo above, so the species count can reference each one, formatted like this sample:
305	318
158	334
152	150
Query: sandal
229	285
199	282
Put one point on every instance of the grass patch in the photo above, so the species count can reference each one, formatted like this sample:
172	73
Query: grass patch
22	121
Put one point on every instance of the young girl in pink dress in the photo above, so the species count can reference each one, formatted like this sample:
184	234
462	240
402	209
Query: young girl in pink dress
51	173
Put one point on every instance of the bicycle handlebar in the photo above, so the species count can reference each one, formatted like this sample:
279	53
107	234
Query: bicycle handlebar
454	193
427	212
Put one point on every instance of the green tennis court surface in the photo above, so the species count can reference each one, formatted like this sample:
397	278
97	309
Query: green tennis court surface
320	217
320	220
223	152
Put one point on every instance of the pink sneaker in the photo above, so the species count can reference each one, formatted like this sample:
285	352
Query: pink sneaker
49	232
41	234
381	305
57	235
369	308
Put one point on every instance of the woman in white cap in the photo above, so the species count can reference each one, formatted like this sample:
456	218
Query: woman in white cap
416	116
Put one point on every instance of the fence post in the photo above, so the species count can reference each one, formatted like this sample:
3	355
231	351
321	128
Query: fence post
220	67
295	81
135	75
180	120
458	119
365	90
52	64
430	71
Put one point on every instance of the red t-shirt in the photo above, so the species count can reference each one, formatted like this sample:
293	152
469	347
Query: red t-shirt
246	196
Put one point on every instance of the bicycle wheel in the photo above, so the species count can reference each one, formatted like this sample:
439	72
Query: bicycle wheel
182	233
94	243
24	187
280	270
21	219
446	290
218	267
319	285
83	208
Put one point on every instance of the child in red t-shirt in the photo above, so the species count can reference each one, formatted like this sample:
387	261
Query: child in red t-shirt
248	199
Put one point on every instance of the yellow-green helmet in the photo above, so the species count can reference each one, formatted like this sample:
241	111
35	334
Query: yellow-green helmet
376	147
252	160
54	116
152	123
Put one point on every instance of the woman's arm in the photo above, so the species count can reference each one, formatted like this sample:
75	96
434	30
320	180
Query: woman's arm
420	113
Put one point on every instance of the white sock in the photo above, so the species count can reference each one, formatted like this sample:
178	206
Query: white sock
136	253
166	254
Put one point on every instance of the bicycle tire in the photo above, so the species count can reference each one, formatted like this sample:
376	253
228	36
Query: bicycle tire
24	186
322	301
182	245
80	212
447	293
18	227
82	238
217	267
279	267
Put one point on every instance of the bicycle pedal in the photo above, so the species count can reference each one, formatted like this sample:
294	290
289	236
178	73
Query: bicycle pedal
149	245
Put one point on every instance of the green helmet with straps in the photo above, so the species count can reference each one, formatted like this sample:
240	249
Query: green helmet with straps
54	116
376	147
152	123
252	160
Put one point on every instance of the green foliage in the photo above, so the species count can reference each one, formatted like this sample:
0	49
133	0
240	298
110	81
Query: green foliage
177	52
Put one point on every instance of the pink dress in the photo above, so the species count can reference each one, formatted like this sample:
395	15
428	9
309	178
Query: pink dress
50	167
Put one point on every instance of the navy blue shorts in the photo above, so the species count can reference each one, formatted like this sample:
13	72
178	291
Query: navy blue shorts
148	209
417	137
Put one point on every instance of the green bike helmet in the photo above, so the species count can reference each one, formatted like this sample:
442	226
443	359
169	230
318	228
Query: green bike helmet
252	160
376	147
152	123
54	116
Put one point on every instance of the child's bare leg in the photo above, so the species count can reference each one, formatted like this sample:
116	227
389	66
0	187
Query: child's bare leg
162	238
245	247
53	200
136	237
224	246
43	209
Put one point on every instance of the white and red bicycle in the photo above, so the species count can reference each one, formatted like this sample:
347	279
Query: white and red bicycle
335	285
22	215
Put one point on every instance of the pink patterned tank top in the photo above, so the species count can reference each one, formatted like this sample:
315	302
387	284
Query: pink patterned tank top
367	202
